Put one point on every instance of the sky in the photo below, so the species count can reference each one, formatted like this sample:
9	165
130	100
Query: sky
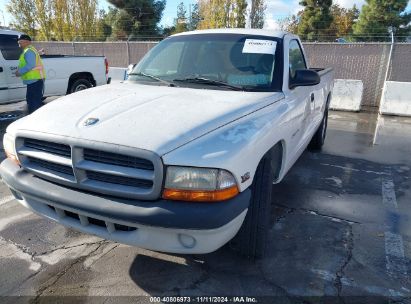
276	9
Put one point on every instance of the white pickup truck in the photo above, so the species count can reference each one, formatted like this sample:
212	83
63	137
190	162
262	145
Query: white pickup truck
65	74
183	155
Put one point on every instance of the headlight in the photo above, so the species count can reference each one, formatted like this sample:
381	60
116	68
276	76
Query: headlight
9	147
199	184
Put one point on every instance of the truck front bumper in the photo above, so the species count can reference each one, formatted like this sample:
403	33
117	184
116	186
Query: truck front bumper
169	226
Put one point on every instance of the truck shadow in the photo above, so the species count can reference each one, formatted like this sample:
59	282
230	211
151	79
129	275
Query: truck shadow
219	273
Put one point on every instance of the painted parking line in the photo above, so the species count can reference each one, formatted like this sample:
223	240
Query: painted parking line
388	194
6	199
394	245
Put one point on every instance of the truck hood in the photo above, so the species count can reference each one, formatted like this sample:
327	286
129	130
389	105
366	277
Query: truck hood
154	118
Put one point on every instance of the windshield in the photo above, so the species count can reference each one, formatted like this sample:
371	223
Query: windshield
213	61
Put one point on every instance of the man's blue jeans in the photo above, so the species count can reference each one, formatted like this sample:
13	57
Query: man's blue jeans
34	95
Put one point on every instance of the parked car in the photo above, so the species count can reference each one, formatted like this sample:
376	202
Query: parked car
182	156
65	74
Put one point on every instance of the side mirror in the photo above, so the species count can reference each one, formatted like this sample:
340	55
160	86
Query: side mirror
304	78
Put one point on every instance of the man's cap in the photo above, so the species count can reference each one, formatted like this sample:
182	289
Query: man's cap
24	37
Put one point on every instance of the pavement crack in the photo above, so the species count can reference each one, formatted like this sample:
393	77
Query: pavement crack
105	253
205	271
70	247
331	217
57	276
349	245
23	248
287	210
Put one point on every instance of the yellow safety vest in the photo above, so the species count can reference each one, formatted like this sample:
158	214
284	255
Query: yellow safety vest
38	72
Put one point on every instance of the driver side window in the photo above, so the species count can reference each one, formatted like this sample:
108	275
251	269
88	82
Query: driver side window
9	47
296	58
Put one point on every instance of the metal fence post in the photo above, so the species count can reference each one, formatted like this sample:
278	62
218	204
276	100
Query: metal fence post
387	70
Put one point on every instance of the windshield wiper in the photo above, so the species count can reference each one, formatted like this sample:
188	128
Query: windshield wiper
152	77
202	80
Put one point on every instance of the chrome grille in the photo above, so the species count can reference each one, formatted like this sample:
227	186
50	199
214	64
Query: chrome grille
91	166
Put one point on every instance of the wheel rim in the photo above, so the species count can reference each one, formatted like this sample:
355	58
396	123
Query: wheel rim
80	87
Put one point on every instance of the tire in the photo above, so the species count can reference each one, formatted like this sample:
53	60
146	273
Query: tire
318	139
80	85
251	239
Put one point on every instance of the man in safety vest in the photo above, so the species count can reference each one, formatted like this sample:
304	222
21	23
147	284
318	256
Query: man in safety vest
31	71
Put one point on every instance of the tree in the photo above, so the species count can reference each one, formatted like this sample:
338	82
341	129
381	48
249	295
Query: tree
104	29
85	19
44	18
240	12
195	17
222	13
290	24
257	13
315	20
57	19
343	20
168	30
139	17
60	9
377	16
112	19
181	22
23	12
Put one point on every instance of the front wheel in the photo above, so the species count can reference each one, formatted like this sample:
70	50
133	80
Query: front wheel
80	85
251	240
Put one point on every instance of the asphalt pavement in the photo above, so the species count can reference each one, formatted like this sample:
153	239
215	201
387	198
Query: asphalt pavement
340	230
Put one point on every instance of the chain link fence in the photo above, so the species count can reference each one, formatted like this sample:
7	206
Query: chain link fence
360	61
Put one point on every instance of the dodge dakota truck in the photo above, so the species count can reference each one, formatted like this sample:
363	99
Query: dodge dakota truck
65	74
183	156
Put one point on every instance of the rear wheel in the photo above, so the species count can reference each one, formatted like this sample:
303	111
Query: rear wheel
80	85
251	240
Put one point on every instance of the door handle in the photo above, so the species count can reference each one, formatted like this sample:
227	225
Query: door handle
312	97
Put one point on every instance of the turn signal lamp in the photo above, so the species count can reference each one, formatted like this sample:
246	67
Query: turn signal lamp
199	184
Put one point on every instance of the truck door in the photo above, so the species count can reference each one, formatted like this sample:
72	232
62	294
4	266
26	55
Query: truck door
304	96
4	87
11	52
4	92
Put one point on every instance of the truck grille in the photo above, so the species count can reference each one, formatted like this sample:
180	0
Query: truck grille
119	180
132	173
117	159
49	147
51	166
